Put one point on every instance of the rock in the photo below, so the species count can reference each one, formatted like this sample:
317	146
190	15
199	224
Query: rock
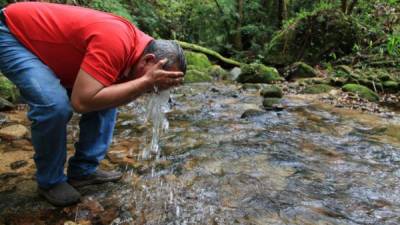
5	105
197	60
258	73
22	144
252	113
8	90
117	156
317	89
361	91
235	72
247	86
391	86
271	92
313	38
193	76
217	72
18	164
344	69
300	70
13	132
270	103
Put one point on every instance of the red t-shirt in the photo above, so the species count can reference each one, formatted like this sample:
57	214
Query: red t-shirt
67	38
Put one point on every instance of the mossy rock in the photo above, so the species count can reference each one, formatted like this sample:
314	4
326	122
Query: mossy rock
300	70
193	76
312	38
317	89
8	90
391	86
197	60
218	72
362	91
258	73
269	103
271	91
344	70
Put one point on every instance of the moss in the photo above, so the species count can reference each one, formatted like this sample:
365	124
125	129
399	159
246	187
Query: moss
193	76
197	60
217	72
362	91
258	73
313	38
300	70
270	102
391	86
317	89
271	91
8	90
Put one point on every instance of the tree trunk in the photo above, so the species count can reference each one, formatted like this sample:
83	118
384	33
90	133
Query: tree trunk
344	6
237	41
282	12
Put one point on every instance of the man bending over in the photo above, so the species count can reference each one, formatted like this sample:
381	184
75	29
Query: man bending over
67	58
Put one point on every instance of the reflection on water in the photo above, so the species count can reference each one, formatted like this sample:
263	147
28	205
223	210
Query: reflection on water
307	164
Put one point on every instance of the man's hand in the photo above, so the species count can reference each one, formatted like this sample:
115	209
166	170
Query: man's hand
163	79
88	94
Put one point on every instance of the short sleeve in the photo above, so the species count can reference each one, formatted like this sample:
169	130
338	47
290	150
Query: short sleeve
106	53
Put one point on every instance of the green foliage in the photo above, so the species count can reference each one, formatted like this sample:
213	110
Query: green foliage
393	45
113	6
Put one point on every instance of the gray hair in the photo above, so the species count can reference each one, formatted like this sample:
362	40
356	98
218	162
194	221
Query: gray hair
167	49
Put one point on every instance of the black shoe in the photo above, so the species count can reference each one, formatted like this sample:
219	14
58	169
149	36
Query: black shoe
61	194
98	177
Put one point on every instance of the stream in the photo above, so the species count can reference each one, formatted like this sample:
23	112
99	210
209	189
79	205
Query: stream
309	163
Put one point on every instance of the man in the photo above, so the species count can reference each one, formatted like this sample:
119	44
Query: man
52	51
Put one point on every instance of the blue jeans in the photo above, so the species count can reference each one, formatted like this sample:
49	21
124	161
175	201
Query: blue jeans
50	110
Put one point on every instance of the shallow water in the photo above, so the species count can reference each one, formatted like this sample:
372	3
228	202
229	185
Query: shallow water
307	164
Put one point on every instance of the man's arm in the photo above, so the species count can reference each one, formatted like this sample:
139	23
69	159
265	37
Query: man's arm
88	94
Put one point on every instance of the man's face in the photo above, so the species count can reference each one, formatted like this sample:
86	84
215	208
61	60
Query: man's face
145	63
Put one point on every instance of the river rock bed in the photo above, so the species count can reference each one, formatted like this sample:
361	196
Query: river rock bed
310	163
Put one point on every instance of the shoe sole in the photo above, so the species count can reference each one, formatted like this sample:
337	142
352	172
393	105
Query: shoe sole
81	183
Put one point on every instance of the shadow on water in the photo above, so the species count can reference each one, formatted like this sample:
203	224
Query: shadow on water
307	164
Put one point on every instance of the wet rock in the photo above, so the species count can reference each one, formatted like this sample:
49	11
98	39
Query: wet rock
5	105
22	144
258	73
218	72
317	89
313	38
300	70
252	113
235	73
271	91
117	155
271	103
256	86
361	91
194	75
18	164
8	175
13	132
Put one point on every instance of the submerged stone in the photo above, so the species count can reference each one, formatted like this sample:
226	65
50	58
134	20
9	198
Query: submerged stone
312	38
270	103
271	91
362	91
258	73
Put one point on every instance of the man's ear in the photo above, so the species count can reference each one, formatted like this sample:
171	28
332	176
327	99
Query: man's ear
149	58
